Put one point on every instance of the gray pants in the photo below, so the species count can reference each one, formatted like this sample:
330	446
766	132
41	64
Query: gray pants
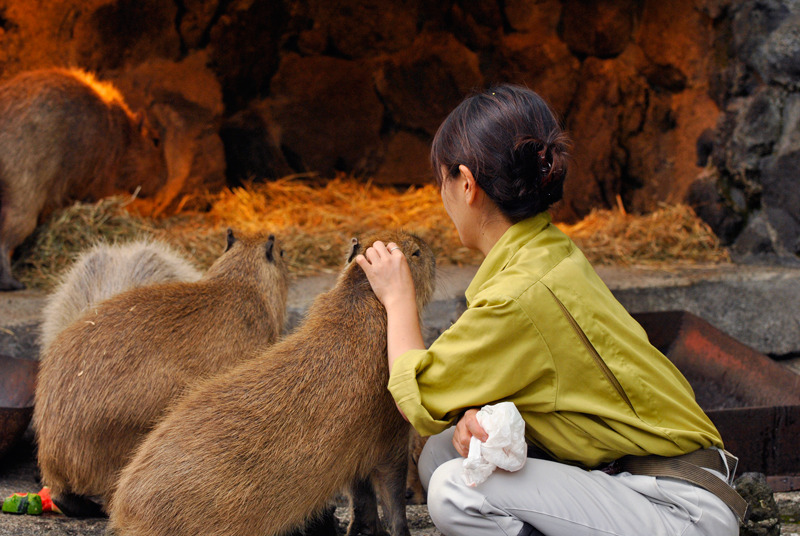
558	499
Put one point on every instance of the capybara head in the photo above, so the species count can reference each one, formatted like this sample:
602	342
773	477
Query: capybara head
252	256
418	254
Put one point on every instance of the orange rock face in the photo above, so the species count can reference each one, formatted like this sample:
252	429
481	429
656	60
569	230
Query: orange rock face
251	90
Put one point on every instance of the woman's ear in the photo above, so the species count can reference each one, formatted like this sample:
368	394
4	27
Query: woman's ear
469	185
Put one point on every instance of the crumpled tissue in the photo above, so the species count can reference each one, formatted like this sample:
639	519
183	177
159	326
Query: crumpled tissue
505	447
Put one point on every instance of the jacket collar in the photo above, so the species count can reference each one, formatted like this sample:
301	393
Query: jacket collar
501	253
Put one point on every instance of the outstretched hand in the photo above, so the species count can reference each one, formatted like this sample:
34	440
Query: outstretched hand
467	427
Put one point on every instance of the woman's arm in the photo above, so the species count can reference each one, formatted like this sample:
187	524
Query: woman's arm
390	278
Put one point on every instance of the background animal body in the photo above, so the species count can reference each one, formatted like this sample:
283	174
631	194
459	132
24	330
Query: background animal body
106	270
65	136
107	378
307	418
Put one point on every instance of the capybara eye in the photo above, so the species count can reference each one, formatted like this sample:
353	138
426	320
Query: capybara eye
416	253
281	253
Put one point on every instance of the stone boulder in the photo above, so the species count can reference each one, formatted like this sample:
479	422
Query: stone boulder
601	29
97	35
244	44
362	28
758	137
423	83
328	112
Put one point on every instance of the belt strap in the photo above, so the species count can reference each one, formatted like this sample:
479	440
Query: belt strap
689	468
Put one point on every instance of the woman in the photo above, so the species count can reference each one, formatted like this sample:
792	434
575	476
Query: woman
542	330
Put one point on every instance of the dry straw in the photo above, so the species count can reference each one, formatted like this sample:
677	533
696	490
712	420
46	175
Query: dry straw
315	222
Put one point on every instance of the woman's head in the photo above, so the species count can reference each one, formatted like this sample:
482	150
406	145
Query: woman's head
511	142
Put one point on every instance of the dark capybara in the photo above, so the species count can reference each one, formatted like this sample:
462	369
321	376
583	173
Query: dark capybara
65	136
107	378
105	270
283	432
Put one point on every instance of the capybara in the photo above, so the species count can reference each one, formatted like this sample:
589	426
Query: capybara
284	432
105	270
107	378
65	136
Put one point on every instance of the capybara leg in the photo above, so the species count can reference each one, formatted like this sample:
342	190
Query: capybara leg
415	493
322	524
78	506
7	281
391	482
17	222
364	507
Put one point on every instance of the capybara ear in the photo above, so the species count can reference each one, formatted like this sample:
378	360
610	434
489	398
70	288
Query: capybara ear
231	239
270	248
355	247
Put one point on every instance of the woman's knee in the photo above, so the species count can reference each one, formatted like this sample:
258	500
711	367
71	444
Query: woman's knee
437	450
444	493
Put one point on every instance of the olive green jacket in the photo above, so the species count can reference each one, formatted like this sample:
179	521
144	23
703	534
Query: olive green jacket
543	331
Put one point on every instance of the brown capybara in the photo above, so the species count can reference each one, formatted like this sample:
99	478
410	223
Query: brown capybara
107	378
65	136
265	445
105	270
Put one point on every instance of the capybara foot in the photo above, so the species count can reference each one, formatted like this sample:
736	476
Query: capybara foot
323	524
78	506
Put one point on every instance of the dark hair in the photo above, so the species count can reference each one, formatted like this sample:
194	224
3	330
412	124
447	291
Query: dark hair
511	141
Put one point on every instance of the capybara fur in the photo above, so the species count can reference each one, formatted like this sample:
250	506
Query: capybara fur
65	136
108	377
415	493
105	270
285	432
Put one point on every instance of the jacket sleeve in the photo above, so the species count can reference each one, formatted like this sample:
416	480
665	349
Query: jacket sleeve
493	351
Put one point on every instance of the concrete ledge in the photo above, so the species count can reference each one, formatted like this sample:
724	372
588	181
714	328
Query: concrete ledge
758	305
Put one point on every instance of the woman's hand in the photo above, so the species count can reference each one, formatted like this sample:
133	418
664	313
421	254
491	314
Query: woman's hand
388	273
467	427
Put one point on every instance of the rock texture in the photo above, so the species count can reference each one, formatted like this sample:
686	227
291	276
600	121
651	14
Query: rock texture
666	101
752	199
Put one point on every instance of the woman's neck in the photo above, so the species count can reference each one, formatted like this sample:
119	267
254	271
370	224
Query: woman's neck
492	227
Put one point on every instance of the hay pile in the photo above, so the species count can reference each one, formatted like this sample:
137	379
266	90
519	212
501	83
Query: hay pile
315	223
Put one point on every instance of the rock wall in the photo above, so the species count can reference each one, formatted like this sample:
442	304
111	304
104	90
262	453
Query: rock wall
750	194
655	94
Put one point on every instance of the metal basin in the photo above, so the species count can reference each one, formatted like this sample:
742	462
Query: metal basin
753	401
17	386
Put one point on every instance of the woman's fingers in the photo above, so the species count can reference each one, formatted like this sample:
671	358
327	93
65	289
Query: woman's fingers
379	251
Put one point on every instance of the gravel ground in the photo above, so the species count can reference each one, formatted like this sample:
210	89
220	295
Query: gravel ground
18	474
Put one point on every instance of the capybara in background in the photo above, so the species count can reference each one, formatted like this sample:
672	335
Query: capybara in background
285	431
105	270
107	378
64	136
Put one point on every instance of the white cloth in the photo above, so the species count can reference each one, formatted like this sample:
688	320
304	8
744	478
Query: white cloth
504	448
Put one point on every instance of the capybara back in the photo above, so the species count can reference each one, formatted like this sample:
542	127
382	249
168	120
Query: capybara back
107	378
289	429
106	270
